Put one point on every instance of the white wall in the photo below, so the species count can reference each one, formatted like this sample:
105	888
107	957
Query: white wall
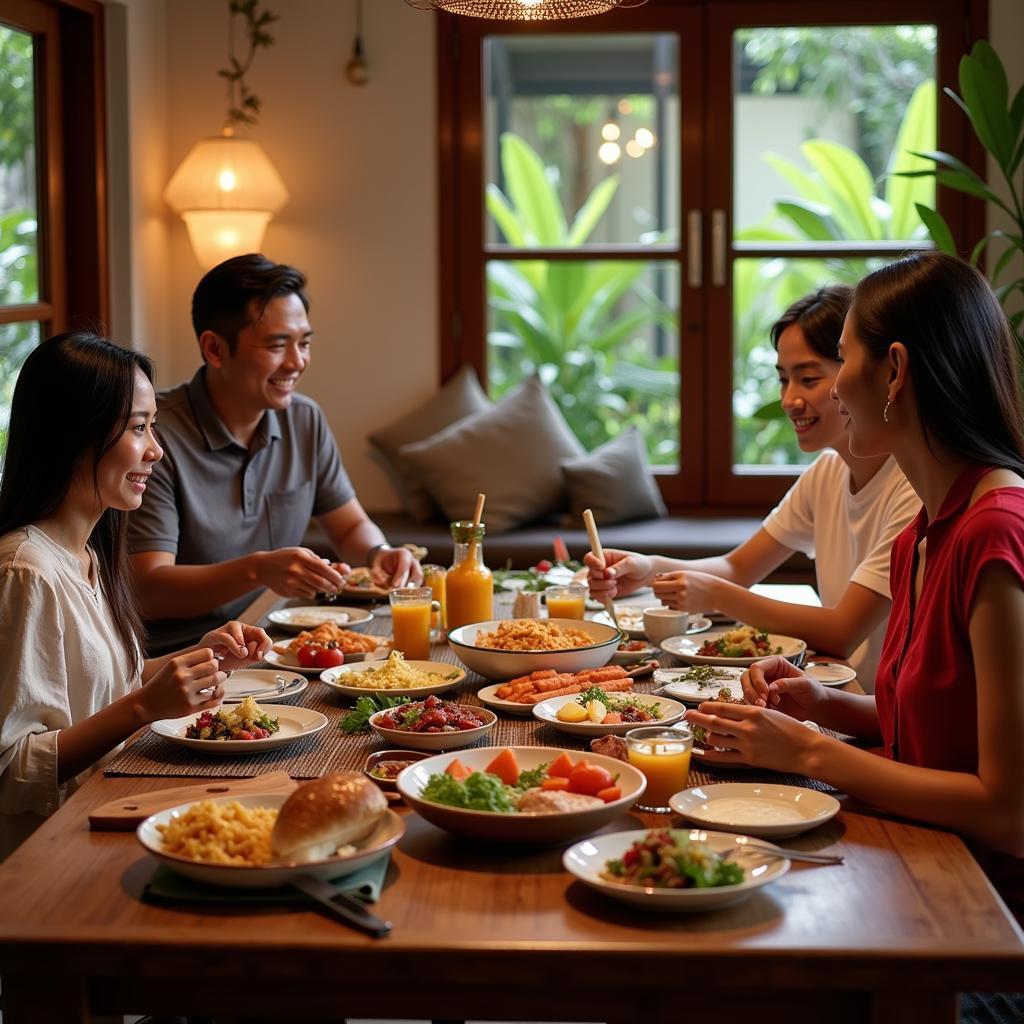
360	164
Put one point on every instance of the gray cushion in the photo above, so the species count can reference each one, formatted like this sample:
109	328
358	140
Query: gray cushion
460	396
511	452
614	482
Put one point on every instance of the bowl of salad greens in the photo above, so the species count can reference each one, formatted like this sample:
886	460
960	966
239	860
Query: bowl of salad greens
521	794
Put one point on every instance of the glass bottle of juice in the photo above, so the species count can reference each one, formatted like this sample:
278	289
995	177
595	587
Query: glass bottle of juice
469	585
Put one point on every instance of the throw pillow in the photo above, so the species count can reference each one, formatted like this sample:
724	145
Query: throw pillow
512	452
614	482
459	397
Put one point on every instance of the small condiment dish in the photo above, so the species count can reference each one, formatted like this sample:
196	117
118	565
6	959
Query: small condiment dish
388	785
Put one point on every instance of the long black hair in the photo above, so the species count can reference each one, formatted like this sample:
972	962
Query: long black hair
963	359
820	317
72	400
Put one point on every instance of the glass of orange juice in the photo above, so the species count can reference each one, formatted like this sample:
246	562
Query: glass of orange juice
434	576
566	602
663	755
410	621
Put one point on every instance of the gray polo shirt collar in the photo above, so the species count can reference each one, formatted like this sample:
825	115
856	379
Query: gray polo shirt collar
216	435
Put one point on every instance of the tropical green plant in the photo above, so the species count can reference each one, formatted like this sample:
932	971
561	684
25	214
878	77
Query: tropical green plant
584	325
999	125
836	200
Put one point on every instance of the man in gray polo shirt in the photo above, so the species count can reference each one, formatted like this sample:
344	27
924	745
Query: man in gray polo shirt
247	462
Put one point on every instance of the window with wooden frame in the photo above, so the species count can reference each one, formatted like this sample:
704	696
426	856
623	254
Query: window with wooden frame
52	177
629	201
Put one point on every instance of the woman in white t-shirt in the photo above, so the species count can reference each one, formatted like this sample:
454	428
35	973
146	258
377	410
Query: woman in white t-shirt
73	683
843	511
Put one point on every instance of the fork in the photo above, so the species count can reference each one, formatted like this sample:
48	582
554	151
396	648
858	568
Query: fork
786	854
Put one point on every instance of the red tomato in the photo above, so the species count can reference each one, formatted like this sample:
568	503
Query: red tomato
329	657
589	779
543	565
307	655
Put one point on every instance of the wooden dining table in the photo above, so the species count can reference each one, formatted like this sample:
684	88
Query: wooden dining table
494	932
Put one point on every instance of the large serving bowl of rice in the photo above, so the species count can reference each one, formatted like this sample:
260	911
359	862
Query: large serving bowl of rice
506	648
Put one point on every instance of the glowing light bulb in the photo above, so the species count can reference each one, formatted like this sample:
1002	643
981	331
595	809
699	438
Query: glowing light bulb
609	152
625	107
634	149
645	137
226	180
610	131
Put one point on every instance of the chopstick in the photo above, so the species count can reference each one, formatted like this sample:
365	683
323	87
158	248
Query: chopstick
477	517
595	547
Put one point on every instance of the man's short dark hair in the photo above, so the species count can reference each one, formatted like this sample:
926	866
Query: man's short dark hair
222	299
820	316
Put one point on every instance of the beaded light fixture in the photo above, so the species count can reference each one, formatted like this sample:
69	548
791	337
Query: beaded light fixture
524	10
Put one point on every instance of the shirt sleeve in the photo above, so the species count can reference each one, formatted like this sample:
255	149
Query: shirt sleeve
992	534
333	487
33	692
791	522
873	572
155	524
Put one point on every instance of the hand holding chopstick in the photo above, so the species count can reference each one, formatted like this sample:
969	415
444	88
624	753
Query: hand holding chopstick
595	547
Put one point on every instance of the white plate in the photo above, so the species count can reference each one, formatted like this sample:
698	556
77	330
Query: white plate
830	673
389	830
295	723
435	741
686	649
291	663
586	860
631	621
262	684
295	620
755	809
547	712
335	678
489	697
674	683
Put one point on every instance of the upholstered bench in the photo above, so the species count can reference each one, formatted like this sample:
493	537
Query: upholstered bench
677	536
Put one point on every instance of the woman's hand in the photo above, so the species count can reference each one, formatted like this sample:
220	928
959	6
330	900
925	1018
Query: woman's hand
755	736
779	684
188	682
622	573
237	644
687	591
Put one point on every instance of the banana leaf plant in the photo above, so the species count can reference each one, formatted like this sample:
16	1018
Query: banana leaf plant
998	123
584	325
835	200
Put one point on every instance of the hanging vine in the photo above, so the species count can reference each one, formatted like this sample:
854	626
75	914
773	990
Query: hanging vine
243	104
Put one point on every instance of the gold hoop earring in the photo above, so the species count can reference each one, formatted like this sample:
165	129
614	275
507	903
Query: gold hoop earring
885	411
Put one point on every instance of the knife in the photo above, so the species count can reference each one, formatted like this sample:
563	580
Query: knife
348	908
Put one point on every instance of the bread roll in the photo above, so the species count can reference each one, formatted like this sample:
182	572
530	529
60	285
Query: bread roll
323	815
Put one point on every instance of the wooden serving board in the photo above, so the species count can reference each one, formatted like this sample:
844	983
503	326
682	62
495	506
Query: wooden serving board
124	815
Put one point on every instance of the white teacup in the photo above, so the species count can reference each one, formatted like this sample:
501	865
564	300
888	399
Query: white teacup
661	622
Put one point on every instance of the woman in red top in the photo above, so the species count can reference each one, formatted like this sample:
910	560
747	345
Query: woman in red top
930	374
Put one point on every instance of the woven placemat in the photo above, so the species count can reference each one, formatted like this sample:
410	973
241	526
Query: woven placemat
332	750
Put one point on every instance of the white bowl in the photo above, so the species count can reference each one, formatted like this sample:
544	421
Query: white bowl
435	740
586	860
547	712
388	831
518	828
496	664
755	809
661	622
